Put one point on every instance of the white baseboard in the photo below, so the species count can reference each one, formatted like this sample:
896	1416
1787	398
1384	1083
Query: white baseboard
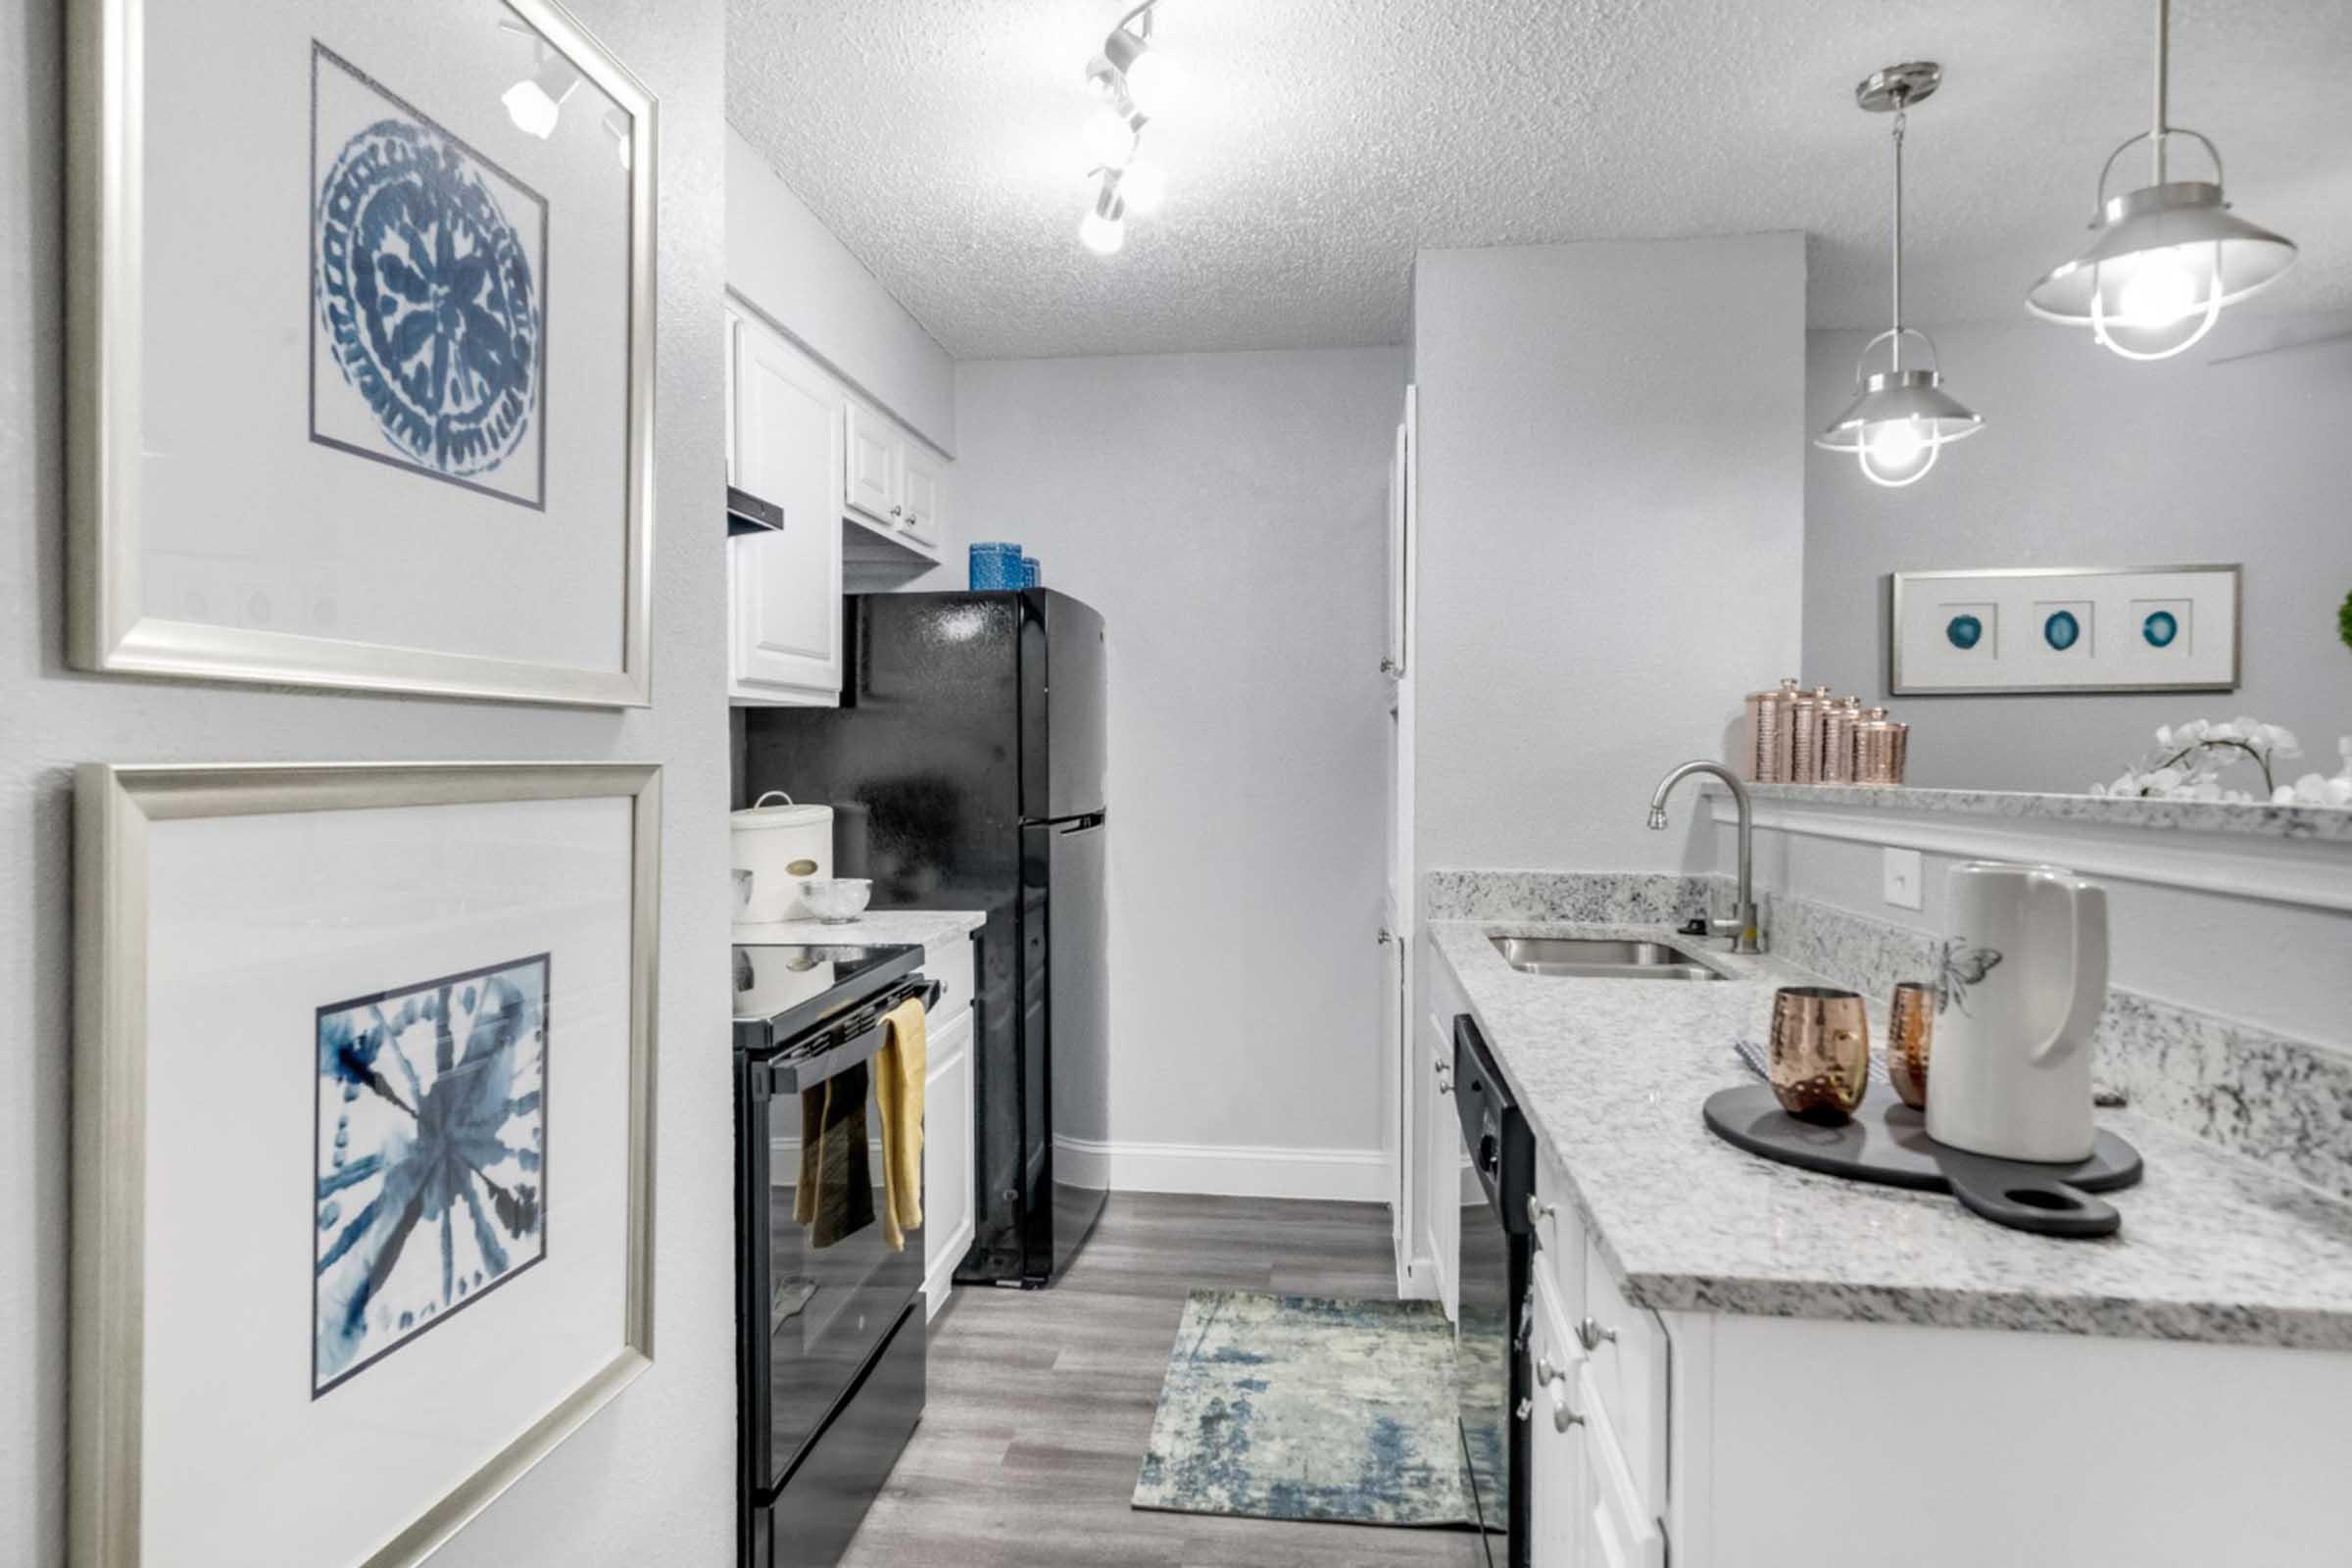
1331	1175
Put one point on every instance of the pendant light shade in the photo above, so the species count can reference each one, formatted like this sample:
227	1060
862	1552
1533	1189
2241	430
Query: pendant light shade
1901	417
2163	260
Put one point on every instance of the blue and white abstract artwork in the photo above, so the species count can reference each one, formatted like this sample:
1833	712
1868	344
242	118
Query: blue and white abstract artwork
431	1157
429	264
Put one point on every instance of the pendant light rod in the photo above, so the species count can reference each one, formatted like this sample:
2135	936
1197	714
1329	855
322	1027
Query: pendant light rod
1896	347
2164	82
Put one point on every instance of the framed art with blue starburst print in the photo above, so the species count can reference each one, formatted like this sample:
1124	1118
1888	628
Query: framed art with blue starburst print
361	326
364	1078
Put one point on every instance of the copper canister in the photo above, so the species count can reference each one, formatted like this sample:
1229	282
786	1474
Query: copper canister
1773	737
1811	710
1899	745
1875	749
1763	717
1837	740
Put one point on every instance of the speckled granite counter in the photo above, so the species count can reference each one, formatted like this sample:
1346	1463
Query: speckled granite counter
873	929
1612	1074
2327	824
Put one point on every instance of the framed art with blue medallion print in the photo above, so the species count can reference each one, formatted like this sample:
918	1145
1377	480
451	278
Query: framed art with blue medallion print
362	1188
362	316
2063	630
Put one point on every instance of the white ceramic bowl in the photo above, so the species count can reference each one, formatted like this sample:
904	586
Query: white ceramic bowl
836	899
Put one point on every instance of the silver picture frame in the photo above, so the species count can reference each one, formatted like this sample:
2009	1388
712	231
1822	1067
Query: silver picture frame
114	807
1904	584
109	630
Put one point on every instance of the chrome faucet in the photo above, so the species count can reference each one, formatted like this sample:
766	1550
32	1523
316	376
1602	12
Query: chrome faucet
1742	928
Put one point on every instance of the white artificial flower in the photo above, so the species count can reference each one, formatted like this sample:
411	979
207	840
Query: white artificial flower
2164	736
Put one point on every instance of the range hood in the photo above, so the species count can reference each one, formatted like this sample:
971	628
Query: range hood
748	513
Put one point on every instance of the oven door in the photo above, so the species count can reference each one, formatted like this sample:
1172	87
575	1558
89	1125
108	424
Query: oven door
820	1288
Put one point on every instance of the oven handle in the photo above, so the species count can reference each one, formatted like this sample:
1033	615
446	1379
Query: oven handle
793	1076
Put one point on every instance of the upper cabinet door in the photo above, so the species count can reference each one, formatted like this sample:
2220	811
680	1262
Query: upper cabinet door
920	491
786	607
873	475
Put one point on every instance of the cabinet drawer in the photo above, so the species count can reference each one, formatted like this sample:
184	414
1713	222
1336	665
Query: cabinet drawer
1627	1359
1559	1237
950	962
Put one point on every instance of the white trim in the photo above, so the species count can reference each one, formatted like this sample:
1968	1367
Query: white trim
2315	873
1331	1175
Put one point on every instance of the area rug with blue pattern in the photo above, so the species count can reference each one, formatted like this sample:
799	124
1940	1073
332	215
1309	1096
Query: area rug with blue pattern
1303	1407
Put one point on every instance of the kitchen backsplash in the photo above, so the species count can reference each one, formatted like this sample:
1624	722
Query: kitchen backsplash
2284	1101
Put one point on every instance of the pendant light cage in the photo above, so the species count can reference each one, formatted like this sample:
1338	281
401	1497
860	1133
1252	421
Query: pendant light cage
2166	259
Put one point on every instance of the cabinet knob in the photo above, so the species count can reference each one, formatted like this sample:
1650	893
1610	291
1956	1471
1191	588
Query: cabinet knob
898	512
1553	1378
1592	1335
1387	936
1390	666
1537	1211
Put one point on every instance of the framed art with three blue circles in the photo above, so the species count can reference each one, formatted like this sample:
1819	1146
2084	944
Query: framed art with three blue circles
2063	630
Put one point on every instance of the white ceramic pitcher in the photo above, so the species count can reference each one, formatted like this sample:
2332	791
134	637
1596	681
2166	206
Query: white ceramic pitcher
2024	976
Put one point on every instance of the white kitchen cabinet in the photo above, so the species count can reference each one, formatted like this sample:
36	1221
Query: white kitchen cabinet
949	1106
920	488
784	588
1442	1166
871	481
948	1196
892	483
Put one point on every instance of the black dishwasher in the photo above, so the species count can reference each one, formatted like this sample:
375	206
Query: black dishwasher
1491	1339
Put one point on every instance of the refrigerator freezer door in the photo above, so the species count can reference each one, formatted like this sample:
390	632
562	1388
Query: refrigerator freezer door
1078	1017
1063	778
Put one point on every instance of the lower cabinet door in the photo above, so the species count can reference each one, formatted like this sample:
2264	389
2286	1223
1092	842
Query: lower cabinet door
1557	1501
1617	1532
947	1192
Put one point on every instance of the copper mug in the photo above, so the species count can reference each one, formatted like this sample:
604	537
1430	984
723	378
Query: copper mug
1819	1060
1910	1032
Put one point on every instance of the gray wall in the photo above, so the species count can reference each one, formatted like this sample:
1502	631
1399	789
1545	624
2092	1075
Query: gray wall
1226	513
650	1480
2088	460
1611	532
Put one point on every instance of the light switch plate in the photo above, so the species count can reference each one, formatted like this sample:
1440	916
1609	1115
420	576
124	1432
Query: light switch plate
1902	877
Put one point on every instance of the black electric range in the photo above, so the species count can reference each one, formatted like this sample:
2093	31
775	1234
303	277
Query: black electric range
830	1320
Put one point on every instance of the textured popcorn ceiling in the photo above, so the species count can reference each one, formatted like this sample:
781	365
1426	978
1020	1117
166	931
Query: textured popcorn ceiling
1321	143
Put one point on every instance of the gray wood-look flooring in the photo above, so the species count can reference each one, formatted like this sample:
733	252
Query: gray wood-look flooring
1040	1402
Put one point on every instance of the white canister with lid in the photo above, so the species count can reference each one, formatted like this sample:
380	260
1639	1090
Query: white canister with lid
778	846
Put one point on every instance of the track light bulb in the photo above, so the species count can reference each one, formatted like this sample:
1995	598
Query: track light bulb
1109	140
536	102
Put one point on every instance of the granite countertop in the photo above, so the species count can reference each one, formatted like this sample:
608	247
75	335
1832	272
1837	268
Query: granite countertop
873	929
2325	824
1613	1073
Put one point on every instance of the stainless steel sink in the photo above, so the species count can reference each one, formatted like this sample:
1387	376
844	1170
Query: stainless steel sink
1600	958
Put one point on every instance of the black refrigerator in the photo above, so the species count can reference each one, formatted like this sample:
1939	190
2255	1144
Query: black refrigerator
964	766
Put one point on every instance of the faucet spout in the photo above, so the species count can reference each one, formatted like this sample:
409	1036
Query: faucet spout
1743	927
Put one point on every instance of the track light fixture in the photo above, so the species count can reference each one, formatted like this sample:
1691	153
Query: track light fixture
1133	82
1900	419
2165	259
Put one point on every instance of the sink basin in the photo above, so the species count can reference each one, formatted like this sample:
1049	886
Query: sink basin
1600	958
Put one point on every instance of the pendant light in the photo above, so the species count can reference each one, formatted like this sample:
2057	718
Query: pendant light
1901	417
2165	259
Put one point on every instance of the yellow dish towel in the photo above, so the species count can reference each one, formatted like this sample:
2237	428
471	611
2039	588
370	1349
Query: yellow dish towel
899	1069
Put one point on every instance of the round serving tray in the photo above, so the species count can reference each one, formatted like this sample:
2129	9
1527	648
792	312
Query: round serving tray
1887	1142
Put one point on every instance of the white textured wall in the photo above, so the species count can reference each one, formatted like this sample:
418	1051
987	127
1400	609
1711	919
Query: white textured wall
1611	532
2088	460
649	1481
783	260
1226	515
